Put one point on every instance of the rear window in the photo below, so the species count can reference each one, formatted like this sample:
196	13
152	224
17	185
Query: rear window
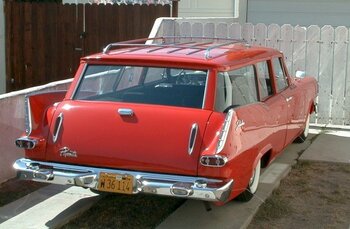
138	84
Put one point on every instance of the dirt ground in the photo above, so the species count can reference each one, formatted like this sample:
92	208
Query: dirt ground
126	211
314	195
14	189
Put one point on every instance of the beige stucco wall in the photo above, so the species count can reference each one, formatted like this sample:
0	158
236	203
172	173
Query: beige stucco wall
12	124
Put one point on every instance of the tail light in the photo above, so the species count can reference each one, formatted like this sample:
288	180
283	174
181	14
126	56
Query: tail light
213	161
26	143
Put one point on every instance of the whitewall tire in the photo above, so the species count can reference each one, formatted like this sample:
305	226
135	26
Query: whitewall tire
252	185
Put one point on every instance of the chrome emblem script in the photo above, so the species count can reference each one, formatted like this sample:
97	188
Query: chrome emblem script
66	152
239	123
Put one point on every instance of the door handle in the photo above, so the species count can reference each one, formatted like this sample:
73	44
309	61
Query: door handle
125	112
289	98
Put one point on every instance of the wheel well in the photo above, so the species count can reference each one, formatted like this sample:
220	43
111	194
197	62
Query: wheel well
265	159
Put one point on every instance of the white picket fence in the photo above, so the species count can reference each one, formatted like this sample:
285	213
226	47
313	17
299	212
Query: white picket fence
324	53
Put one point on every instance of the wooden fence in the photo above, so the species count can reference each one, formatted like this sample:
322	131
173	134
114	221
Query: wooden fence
324	53
44	41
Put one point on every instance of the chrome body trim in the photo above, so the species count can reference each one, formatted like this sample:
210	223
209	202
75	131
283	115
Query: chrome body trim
20	142
204	158
27	116
56	132
289	98
224	131
192	138
200	188
205	89
239	124
125	112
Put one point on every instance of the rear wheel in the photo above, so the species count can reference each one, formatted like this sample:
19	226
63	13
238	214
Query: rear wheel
302	137
252	186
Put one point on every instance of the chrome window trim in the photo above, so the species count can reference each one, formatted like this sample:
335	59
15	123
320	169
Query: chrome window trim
205	89
194	129
79	81
28	116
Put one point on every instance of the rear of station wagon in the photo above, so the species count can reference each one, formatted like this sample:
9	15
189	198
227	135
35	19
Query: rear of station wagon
193	119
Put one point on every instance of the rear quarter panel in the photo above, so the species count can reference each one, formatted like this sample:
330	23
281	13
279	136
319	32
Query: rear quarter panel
41	111
244	146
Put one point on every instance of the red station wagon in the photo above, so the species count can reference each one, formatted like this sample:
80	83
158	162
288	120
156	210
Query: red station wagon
195	119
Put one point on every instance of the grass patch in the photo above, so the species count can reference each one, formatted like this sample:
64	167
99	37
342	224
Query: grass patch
127	211
14	189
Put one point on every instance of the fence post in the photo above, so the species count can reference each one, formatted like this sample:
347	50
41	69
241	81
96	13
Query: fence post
175	8
2	49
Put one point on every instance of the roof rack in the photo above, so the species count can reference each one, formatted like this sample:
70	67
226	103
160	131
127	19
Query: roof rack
172	42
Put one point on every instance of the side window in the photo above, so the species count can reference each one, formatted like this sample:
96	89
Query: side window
223	92
280	76
244	85
264	80
236	88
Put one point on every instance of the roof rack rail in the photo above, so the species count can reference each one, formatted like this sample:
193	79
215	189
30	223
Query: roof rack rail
139	44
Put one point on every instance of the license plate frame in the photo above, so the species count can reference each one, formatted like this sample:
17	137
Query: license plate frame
114	182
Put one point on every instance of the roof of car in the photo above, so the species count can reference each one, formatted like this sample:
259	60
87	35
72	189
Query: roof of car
203	51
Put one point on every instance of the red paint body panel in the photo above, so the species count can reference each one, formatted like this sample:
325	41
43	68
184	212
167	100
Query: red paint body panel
154	139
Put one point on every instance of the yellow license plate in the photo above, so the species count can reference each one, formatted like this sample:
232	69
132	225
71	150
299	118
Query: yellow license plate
111	182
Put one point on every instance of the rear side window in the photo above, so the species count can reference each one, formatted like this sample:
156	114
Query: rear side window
236	88
264	80
280	76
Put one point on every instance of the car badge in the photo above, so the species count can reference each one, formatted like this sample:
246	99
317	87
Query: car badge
239	124
66	152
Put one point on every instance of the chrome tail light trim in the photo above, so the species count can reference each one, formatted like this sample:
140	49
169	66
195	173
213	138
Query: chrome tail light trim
26	143
200	188
213	161
27	116
57	128
224	131
192	138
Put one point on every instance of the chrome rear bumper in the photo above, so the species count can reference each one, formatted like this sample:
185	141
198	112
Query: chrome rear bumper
160	184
